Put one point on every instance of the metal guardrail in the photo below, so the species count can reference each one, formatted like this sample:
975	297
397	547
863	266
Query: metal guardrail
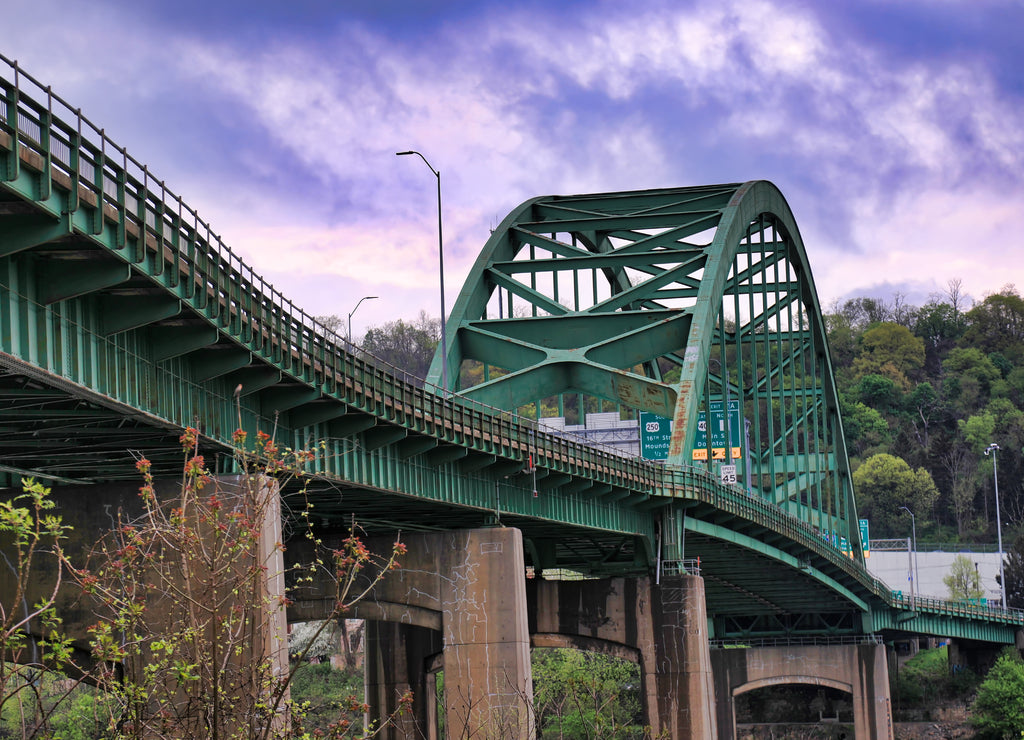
971	608
688	567
900	545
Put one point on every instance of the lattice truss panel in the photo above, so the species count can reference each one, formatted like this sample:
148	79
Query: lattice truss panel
674	302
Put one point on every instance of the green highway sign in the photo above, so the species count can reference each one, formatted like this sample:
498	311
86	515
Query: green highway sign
700	442
655	433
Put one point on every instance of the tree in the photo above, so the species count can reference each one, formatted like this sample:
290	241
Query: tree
860	313
879	392
939	325
973	373
998	710
960	467
891	350
580	694
884	484
187	594
406	346
963	580
997	324
1013	568
31	643
865	428
926	408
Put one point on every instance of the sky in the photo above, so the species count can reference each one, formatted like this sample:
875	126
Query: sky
894	128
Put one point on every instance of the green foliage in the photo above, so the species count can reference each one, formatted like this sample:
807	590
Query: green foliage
926	678
892	351
884	485
326	697
941	414
974	374
579	694
74	711
978	430
865	428
963	580
998	710
879	391
997	324
31	535
406	346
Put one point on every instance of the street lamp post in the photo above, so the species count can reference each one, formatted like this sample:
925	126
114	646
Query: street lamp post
364	298
440	264
993	448
914	585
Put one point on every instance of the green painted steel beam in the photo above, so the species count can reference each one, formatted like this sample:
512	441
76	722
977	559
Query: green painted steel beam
214	362
728	535
71	278
23	232
123	312
173	341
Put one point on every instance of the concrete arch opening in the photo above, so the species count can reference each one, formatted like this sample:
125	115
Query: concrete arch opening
585	687
859	670
795	700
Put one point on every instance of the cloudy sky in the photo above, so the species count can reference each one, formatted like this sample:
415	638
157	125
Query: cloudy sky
895	128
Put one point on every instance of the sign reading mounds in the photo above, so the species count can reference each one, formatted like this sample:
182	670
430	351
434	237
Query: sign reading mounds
655	433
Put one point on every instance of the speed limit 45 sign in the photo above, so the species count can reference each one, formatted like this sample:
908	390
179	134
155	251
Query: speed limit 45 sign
728	473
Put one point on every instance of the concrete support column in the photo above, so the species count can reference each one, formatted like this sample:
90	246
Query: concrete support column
860	670
488	689
680	696
872	704
972	655
396	662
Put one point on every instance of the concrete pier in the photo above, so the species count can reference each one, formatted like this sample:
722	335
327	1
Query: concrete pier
860	670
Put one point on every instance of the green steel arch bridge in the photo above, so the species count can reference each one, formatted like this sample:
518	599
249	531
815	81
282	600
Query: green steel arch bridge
123	319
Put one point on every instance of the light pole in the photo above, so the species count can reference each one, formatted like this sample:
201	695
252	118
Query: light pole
440	266
993	448
914	586
364	298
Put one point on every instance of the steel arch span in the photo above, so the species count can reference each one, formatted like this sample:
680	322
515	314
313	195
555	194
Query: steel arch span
679	302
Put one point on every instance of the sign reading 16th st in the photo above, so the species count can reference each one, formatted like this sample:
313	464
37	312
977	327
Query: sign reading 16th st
700	441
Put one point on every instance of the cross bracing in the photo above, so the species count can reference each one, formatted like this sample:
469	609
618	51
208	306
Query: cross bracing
665	301
123	318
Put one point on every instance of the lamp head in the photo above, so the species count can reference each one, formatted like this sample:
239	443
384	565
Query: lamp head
992	448
402	154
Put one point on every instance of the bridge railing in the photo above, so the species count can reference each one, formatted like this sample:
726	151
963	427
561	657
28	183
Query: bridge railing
958	608
154	229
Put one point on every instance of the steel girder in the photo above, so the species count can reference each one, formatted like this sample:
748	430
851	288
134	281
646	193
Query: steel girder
666	301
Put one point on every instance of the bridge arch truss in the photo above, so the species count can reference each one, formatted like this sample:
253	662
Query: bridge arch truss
678	302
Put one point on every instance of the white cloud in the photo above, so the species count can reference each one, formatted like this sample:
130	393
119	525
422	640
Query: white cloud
929	236
917	159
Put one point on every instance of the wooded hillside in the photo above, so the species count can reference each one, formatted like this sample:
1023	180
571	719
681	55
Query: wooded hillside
924	391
